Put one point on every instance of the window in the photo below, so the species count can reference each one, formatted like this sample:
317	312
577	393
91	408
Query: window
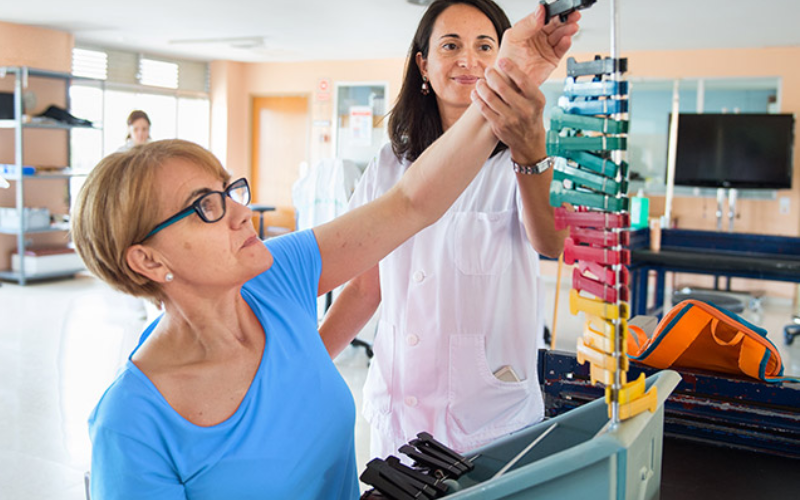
90	63
173	94
158	73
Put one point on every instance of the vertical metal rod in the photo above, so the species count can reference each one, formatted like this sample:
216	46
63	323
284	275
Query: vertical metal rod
20	82
701	96
732	195
721	193
617	157
672	153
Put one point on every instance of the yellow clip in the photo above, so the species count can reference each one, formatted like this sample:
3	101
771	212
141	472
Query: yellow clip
606	377
647	401
596	340
629	392
596	307
595	357
600	333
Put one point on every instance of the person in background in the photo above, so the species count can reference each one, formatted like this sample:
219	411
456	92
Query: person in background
223	396
455	350
138	130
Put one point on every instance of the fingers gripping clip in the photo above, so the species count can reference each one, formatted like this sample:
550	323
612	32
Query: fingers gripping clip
563	8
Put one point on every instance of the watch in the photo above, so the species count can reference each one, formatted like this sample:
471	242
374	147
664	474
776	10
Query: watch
539	167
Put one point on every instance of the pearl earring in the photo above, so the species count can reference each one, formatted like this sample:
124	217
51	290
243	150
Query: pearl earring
425	90
169	277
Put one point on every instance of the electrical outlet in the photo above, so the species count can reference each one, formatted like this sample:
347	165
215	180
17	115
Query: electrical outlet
784	204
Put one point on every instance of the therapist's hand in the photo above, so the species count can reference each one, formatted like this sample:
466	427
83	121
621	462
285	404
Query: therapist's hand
537	48
513	106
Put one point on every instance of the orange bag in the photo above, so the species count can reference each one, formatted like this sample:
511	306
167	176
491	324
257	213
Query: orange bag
697	334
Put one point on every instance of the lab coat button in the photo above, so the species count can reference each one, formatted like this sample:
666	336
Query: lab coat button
412	340
419	276
411	401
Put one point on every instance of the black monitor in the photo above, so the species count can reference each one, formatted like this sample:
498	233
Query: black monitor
743	151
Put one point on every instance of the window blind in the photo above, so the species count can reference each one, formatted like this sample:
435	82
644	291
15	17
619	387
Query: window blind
129	68
89	63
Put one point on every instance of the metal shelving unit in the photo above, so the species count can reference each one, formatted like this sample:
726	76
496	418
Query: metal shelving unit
21	125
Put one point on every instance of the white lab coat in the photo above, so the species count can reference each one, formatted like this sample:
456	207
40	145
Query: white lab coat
321	195
324	192
460	300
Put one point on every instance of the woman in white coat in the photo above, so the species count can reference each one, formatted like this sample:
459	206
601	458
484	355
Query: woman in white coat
138	130
456	346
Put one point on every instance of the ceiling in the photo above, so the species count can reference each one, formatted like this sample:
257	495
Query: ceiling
304	30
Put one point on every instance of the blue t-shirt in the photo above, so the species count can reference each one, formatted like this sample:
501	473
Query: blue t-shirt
291	437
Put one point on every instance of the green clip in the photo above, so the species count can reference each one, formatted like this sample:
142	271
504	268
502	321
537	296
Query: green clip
590	180
602	143
559	120
592	162
559	194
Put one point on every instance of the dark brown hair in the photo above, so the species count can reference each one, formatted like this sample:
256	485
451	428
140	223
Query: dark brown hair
414	123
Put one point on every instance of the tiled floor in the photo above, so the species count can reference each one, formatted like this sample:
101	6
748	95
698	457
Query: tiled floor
61	343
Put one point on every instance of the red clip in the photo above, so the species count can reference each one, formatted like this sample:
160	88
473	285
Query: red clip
605	256
565	218
598	289
599	237
604	274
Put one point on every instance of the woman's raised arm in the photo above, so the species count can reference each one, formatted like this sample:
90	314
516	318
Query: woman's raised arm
358	240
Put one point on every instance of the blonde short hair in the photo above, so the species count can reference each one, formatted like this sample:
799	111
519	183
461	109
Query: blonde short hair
118	206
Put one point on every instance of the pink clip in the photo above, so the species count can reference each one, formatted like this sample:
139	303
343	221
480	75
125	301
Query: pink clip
565	218
604	274
598	289
599	237
605	256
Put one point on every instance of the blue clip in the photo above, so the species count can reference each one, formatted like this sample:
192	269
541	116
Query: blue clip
605	88
595	107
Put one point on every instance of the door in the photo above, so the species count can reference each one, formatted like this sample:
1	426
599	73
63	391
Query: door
280	144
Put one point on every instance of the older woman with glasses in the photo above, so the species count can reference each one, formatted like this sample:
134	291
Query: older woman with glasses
231	393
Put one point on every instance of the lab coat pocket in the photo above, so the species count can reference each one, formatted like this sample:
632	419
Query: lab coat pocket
377	395
479	403
483	242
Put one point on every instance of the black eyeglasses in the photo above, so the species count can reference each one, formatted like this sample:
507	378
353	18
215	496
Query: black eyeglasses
211	206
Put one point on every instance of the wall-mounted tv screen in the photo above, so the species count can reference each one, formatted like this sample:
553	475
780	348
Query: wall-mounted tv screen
745	151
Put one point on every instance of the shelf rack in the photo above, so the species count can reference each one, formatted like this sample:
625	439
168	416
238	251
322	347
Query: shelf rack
20	124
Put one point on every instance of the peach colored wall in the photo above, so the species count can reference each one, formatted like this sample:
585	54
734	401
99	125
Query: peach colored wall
219	109
230	139
246	81
42	49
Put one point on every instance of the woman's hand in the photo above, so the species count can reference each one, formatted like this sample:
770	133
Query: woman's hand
509	95
513	107
537	48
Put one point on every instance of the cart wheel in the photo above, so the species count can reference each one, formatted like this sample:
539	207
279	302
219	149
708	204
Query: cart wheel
789	333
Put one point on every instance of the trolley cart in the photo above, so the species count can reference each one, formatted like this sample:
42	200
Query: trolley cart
579	458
